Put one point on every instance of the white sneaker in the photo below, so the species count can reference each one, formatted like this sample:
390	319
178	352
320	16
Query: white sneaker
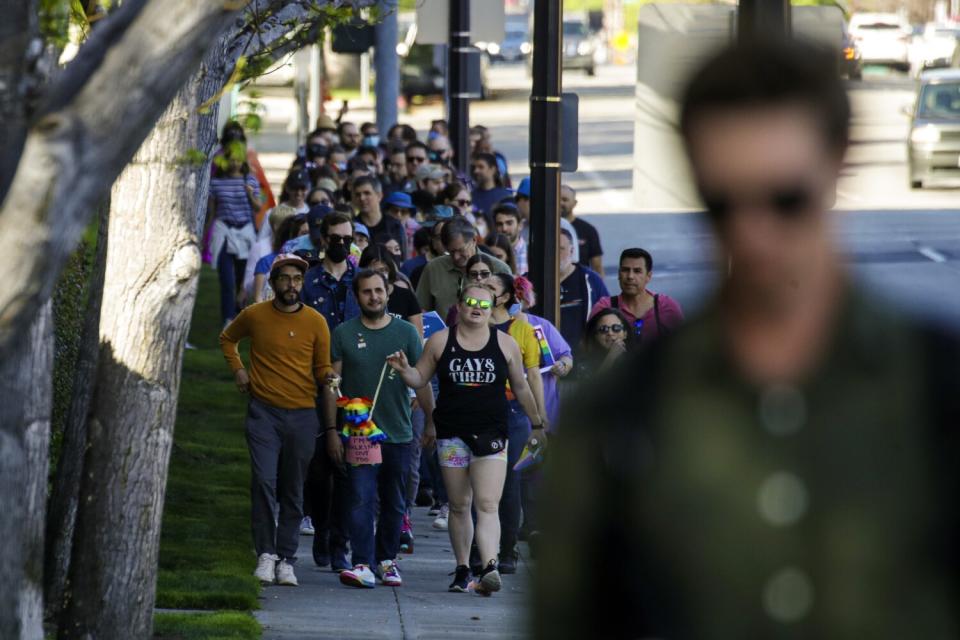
390	574
266	570
285	575
442	518
359	576
306	527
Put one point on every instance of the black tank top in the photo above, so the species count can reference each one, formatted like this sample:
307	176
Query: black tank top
472	396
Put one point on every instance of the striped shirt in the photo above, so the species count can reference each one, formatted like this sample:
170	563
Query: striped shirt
230	196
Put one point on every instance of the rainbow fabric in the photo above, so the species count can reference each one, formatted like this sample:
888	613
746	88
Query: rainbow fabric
356	411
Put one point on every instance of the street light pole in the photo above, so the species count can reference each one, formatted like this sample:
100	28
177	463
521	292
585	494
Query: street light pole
545	144
387	65
763	18
458	87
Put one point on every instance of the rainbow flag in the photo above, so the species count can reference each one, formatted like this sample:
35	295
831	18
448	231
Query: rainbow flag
546	353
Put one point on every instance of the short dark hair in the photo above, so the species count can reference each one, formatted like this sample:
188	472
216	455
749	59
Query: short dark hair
416	144
332	220
589	345
370	180
457	226
379	253
509	289
566	232
421	238
366	274
768	73
508	208
479	256
637	254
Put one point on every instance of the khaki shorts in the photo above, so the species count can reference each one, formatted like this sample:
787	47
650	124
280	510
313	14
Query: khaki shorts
455	453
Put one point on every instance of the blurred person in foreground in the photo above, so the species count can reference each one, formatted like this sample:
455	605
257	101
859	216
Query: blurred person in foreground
784	466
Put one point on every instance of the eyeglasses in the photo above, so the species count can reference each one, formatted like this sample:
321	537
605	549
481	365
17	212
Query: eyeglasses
611	328
473	303
464	203
416	159
788	202
286	279
479	275
334	239
314	203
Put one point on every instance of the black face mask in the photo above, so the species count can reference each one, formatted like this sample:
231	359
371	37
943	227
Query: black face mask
337	252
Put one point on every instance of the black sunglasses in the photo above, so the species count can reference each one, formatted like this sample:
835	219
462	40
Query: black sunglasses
334	239
788	202
415	159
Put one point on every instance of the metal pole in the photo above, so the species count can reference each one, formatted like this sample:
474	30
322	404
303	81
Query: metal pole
364	76
386	65
763	18
458	96
545	133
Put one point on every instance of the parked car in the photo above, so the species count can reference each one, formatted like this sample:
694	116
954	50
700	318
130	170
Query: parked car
422	66
933	148
933	48
883	38
579	48
851	60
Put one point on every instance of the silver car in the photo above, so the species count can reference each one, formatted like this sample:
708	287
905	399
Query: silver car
933	147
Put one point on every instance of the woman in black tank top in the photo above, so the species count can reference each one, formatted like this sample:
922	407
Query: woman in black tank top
473	362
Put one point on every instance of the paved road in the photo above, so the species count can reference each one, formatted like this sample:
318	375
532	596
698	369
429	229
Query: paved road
422	608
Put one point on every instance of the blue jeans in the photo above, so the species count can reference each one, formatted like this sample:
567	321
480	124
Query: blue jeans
388	482
518	432
230	269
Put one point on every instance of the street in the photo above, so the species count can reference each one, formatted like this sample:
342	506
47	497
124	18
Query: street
903	243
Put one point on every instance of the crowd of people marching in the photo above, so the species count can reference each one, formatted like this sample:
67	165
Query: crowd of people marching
394	359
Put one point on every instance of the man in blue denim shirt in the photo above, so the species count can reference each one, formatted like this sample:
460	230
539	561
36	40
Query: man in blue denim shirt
328	288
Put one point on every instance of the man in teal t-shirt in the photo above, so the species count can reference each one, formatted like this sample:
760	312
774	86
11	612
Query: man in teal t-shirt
359	350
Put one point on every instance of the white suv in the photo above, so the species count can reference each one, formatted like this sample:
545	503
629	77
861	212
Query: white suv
883	38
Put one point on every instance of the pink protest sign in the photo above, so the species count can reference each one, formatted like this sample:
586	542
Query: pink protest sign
361	451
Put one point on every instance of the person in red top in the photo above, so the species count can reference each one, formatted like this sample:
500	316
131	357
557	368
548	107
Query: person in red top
650	314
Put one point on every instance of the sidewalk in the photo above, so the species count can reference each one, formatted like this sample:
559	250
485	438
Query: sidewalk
421	609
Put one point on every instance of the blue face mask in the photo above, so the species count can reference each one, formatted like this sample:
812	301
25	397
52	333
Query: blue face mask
371	141
514	309
341	166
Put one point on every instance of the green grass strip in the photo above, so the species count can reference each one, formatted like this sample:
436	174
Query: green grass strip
205	626
206	553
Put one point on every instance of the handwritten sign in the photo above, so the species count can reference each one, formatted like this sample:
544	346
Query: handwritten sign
361	451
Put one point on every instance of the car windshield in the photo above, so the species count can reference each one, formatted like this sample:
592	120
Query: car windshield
574	29
940	100
515	35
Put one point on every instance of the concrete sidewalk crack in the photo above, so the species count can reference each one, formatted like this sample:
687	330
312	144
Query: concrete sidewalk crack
403	627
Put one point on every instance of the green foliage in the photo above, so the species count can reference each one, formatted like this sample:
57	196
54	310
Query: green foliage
206	555
209	626
233	151
192	158
250	111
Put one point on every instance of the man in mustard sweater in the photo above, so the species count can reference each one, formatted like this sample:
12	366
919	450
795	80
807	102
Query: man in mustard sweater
289	359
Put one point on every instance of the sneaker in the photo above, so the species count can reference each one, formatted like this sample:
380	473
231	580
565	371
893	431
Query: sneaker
360	576
461	580
434	509
442	518
390	574
306	527
508	562
489	580
285	575
406	535
266	571
424	498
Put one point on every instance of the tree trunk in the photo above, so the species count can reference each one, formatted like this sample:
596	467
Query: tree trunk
66	485
27	387
153	260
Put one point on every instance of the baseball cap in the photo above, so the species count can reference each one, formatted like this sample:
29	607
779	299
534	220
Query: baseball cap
315	221
298	179
285	259
399	199
439	213
428	172
523	189
361	228
329	184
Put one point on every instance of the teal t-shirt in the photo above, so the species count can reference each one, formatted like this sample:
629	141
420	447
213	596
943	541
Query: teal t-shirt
363	352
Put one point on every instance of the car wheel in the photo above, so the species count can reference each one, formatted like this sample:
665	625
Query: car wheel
916	184
591	71
856	75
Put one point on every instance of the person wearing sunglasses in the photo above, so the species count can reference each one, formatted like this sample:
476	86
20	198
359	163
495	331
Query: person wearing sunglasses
650	314
788	460
473	361
289	365
608	335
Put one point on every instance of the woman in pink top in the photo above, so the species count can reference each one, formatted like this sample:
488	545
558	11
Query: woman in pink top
650	314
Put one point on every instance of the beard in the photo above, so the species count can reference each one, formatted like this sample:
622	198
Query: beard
373	314
289	297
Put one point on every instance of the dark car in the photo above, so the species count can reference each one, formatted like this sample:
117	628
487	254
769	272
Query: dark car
933	149
419	75
851	63
579	48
